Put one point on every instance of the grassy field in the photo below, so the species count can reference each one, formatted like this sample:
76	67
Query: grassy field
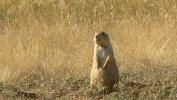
46	48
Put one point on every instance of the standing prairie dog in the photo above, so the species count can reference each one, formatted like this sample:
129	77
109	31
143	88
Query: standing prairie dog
104	68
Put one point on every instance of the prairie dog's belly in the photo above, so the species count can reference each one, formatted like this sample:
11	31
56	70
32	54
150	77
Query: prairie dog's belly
102	74
102	56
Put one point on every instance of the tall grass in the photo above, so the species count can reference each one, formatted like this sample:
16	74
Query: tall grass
58	34
46	39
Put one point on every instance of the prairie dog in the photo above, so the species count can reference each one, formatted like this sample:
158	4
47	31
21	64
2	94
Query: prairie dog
104	67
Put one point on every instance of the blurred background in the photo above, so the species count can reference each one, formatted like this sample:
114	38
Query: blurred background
54	38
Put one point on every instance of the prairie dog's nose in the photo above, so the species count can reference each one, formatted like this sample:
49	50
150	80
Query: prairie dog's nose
96	37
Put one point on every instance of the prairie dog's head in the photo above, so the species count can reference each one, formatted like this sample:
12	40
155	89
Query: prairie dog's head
102	39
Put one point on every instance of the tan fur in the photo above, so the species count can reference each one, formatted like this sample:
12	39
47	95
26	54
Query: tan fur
104	68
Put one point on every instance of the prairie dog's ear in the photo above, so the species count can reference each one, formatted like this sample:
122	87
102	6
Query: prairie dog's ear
103	32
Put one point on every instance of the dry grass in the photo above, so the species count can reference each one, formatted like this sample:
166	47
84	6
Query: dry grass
46	46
